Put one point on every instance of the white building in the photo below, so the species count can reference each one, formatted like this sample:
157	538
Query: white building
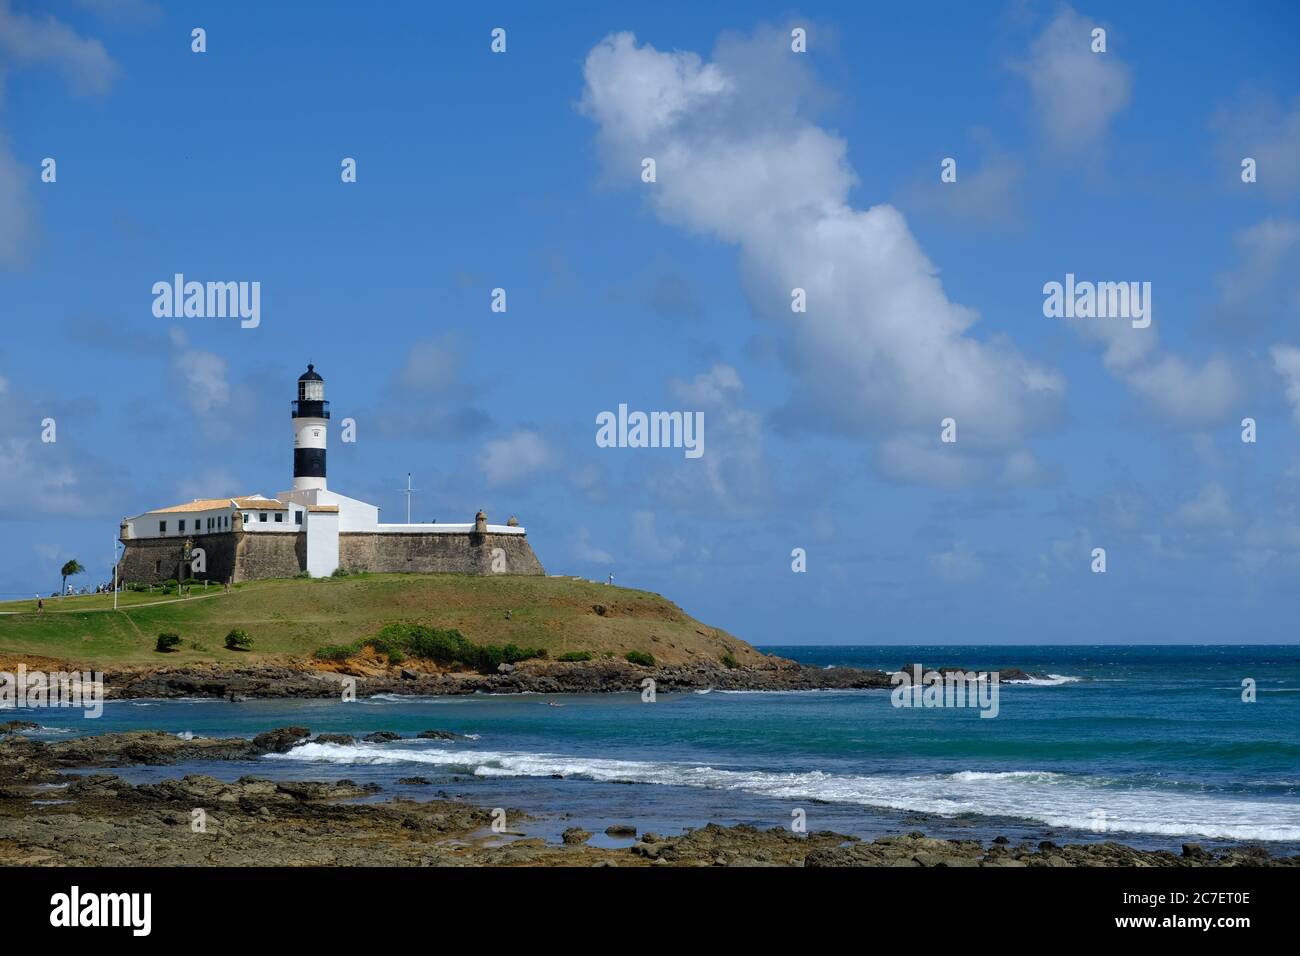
308	508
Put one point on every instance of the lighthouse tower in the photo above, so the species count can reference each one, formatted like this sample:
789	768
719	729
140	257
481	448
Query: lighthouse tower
311	414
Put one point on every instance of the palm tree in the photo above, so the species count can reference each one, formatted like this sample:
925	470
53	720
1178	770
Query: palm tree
69	569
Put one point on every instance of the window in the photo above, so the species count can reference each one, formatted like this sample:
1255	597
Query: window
297	517
157	567
279	516
245	517
262	516
182	526
162	527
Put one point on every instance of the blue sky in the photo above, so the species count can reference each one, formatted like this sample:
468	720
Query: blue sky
521	171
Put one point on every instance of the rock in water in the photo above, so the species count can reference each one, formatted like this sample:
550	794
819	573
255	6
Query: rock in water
281	740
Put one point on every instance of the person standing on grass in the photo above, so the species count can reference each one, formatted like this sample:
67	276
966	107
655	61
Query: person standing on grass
40	604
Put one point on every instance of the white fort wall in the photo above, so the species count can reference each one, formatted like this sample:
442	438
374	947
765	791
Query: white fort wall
322	543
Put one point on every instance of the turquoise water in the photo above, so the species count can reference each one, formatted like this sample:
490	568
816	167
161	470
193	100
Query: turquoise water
1149	745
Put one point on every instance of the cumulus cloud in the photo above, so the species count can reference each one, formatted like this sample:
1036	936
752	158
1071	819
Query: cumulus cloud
430	366
987	193
429	398
510	460
1261	292
1172	388
46	478
1076	93
27	41
956	565
199	376
1269	134
584	550
1211	508
34	41
1184	393
649	543
17	209
916	459
881	349
1286	362
733	473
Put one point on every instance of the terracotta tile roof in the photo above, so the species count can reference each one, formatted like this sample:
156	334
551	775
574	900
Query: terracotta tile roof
198	504
214	504
261	504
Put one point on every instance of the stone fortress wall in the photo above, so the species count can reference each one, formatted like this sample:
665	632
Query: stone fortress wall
249	556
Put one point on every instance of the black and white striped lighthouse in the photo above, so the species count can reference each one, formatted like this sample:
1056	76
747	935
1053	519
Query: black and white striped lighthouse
311	415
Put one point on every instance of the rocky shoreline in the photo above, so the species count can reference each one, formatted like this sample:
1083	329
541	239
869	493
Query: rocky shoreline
50	816
306	679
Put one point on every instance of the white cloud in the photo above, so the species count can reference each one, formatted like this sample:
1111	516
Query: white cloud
909	459
30	41
881	348
648	543
956	565
33	41
925	460
199	376
1186	394
987	193
36	477
17	209
1261	293
1211	508
1172	388
1076	92
1286	362
733	473
431	366
508	461
584	550
1268	134
719	385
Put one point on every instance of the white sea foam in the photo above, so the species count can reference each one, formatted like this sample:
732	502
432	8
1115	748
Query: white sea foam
1051	680
1054	799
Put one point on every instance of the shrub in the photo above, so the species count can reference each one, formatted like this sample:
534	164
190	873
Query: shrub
445	646
166	642
729	660
569	656
340	572
238	640
395	656
640	657
333	652
169	583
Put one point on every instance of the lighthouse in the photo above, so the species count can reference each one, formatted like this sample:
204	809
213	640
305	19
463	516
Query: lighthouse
311	415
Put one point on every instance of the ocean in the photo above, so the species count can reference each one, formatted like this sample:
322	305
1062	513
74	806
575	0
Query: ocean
1149	745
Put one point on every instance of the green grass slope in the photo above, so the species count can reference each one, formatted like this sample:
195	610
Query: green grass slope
295	617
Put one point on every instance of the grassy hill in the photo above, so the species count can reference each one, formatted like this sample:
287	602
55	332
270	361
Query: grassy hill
292	618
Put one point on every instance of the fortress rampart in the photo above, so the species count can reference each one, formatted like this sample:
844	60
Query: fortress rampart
248	556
